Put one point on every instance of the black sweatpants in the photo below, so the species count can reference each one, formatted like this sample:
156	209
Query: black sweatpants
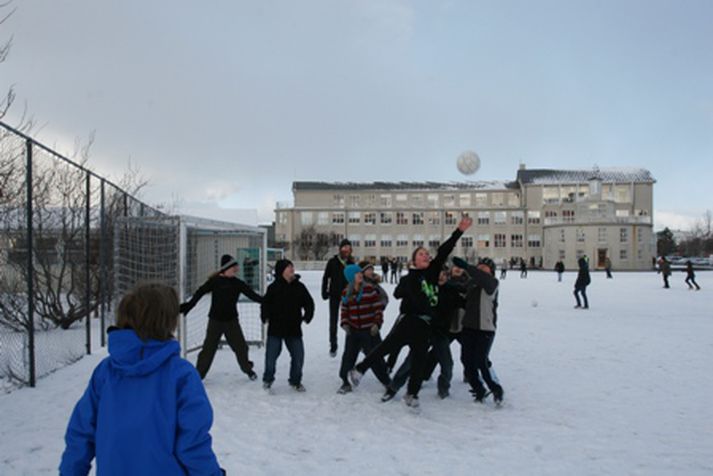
692	279
236	340
357	341
334	304
412	331
475	351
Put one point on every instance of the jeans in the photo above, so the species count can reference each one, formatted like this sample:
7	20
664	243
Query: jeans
236	340
273	348
361	341
582	290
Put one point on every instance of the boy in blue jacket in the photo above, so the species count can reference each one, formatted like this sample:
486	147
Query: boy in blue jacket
145	411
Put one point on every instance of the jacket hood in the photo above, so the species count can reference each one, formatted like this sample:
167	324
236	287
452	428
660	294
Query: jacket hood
131	356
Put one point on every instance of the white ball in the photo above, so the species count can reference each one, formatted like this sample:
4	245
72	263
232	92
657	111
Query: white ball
468	162
534	303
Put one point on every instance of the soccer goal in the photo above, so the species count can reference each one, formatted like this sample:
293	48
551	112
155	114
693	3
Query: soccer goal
183	252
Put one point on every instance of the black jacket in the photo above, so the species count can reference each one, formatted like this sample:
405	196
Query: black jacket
583	278
225	293
285	306
411	287
333	280
559	267
450	300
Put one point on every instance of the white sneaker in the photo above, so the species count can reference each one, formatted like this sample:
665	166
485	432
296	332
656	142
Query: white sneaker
411	401
354	377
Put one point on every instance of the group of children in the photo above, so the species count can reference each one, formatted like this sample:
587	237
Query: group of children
145	410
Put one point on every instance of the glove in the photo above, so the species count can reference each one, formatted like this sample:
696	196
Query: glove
347	328
374	330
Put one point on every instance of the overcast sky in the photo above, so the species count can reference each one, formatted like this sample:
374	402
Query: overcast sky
225	103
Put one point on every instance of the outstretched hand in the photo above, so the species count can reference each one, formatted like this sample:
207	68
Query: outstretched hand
465	223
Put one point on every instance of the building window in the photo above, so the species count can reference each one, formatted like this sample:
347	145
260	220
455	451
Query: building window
323	218
500	240
434	241
434	218
386	241
513	199
498	199
417	200
354	217
401	218
449	200
282	218
466	242
622	194
623	255
517	218
465	200
417	218
516	240
401	198
337	218
640	254
483	241
561	255
356	240
354	201
386	218
623	235
500	218
640	235
483	218
550	214
370	218
562	237
385	201
581	235
402	240
568	216
622	213
533	218
306	218
370	200
450	218
568	194
370	241
481	200
602	235
534	241
417	241
580	253
432	200
338	200
551	195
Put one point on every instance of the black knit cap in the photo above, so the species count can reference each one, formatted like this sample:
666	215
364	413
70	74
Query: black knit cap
345	242
280	266
489	263
227	262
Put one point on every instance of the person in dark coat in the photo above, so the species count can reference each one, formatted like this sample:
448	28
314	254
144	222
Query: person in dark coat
385	267
523	268
225	289
333	283
580	286
419	292
665	270
287	304
691	276
559	268
607	267
145	411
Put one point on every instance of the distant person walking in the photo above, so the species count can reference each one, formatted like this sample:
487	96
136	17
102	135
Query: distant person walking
665	270
394	271
607	267
333	283
580	286
691	276
523	268
504	269
559	267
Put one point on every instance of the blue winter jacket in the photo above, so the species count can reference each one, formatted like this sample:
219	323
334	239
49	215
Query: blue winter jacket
145	412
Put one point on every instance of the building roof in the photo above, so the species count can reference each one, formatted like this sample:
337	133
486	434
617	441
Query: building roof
394	186
611	174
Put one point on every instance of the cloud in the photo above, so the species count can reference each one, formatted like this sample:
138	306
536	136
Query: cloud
674	220
219	190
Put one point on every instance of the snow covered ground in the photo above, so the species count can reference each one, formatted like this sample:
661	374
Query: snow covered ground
623	388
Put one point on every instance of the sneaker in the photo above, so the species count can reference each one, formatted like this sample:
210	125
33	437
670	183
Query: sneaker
578	306
252	375
355	377
479	395
498	393
388	395
345	388
443	394
267	386
411	401
298	388
332	352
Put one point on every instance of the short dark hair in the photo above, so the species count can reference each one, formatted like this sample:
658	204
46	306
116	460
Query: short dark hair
151	310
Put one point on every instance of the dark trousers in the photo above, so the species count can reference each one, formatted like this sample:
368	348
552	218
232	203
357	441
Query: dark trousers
665	281
434	356
503	273
361	341
236	340
559	277
273	348
523	273
583	291
475	351
334	303
441	354
608	273
393	277
412	331
692	279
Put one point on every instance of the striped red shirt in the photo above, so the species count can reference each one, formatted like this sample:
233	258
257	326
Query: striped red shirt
364	313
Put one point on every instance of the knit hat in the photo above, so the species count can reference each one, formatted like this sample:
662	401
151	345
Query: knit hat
344	243
364	265
489	263
281	265
460	263
227	262
351	271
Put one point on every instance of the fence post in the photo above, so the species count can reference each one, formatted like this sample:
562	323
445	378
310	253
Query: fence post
30	268
103	275
87	272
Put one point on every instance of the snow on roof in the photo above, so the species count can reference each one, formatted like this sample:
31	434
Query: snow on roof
391	186
609	174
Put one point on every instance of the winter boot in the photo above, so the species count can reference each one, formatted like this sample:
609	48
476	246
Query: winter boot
355	377
411	401
252	375
298	387
345	388
388	395
498	394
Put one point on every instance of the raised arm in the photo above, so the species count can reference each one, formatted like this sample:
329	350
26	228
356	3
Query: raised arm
434	268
